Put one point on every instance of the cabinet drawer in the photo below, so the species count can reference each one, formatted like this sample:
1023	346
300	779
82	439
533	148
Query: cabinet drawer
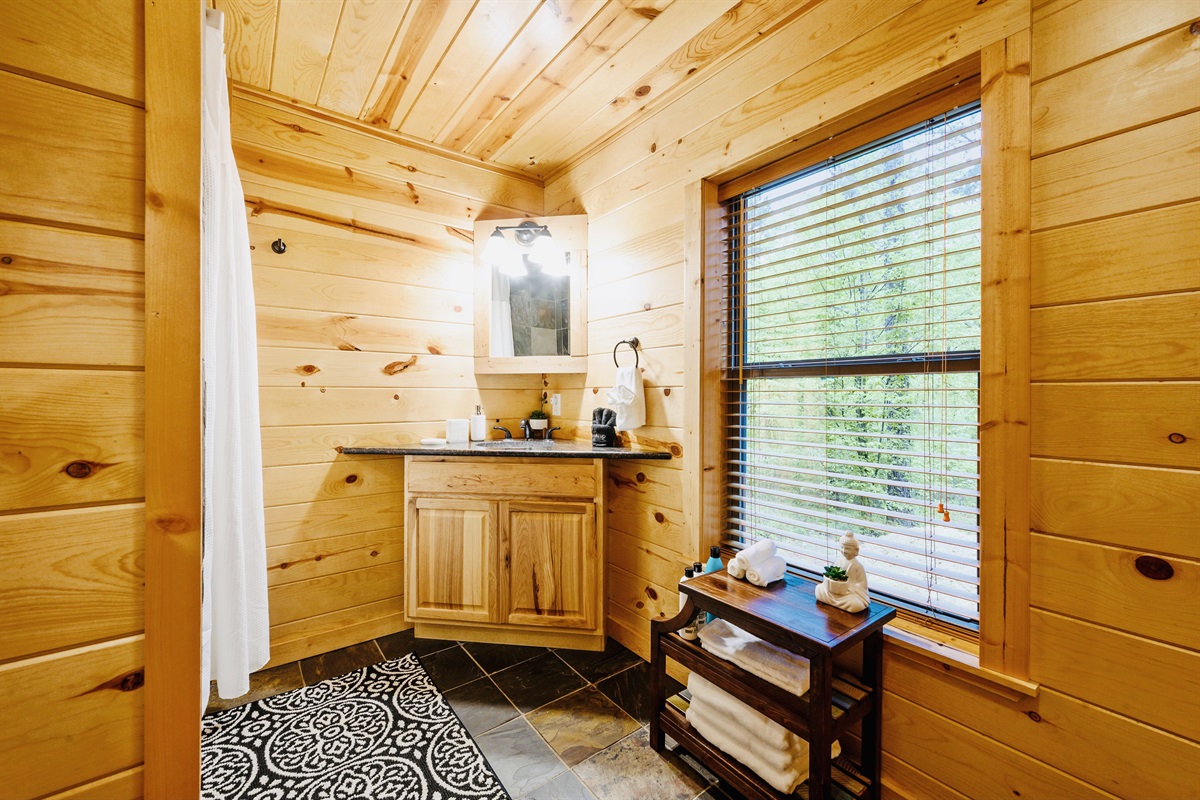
502	477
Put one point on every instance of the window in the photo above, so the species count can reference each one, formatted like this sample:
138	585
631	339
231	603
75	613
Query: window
852	363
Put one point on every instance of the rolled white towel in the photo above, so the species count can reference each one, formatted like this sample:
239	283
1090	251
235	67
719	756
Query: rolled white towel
773	664
736	568
756	553
726	738
767	571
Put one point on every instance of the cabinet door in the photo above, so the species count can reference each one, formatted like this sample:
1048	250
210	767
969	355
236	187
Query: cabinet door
451	554
553	565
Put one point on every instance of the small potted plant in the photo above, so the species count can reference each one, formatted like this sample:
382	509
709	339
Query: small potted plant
538	420
836	580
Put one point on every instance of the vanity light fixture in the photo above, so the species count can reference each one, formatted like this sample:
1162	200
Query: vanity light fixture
533	243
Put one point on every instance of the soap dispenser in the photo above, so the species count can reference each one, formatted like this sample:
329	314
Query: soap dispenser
478	425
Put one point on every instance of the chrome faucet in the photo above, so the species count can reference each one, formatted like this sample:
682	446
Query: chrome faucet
550	433
528	430
507	432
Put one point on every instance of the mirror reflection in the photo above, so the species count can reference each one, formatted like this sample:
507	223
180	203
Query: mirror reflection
531	311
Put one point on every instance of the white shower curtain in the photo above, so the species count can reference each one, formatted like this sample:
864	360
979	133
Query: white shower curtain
502	334
234	626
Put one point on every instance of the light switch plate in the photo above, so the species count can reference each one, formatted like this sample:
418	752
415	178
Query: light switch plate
556	404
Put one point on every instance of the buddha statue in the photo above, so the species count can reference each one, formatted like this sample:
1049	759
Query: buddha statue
850	594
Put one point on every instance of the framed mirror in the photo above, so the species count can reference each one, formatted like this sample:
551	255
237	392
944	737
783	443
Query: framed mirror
531	295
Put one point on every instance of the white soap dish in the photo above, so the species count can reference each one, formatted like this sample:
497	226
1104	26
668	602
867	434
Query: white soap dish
433	441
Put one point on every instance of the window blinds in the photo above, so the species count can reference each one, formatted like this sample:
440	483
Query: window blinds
852	363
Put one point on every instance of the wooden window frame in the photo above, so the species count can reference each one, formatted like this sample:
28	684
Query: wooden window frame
999	77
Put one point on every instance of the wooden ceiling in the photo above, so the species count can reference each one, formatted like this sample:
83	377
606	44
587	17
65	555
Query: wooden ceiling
527	84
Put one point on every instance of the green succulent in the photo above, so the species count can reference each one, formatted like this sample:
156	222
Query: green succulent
836	573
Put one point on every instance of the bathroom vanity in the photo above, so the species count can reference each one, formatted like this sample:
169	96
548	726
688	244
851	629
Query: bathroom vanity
504	540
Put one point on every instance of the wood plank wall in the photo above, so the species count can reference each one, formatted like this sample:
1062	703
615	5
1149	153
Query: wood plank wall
365	328
1115	326
71	398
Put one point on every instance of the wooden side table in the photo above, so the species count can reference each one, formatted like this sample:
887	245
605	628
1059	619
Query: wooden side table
786	614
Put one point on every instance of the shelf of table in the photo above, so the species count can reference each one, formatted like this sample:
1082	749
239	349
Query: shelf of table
847	780
851	701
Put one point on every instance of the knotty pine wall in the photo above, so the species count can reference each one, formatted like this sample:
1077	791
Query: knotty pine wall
1115	364
365	329
71	399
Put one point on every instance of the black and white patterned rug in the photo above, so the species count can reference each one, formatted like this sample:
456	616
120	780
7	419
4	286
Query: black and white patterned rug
383	732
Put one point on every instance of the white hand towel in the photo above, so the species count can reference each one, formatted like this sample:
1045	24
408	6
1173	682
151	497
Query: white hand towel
756	553
767	571
628	398
779	759
727	738
773	664
736	568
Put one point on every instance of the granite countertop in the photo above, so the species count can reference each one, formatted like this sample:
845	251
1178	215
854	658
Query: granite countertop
535	448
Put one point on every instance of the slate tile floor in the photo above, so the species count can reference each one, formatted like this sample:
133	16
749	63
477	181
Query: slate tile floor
554	724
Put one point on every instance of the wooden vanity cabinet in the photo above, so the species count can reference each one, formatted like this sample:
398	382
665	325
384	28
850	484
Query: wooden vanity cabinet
505	550
452	560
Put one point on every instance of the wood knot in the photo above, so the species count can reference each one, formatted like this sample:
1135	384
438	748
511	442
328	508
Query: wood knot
154	200
1036	717
1154	568
457	309
434	349
6	260
172	524
284	565
78	469
1176	438
395	397
398	366
641	91
675	450
653	595
322	390
132	681
351	478
308	369
374	553
1194	28
641	477
667	392
659	517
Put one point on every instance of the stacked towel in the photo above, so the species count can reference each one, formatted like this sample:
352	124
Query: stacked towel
765	572
774	753
628	399
773	664
758	564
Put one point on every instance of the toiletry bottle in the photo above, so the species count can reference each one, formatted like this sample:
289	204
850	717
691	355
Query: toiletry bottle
713	565
478	425
689	631
701	617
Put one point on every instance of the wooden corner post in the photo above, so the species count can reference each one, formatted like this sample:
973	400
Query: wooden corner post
173	40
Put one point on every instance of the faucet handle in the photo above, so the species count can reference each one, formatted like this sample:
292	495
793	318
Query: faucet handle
507	432
550	432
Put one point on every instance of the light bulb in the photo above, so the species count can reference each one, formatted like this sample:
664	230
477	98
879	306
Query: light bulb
497	249
546	252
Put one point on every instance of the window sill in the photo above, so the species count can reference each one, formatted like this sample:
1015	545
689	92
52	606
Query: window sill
958	658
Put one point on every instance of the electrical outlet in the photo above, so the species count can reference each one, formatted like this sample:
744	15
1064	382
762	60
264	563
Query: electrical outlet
556	404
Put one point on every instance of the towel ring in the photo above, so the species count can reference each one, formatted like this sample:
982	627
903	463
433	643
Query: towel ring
633	344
